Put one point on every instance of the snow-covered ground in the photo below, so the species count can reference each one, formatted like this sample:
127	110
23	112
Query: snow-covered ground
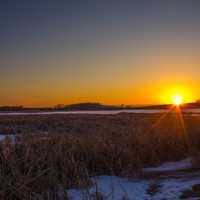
113	187
171	166
12	137
195	112
92	112
168	188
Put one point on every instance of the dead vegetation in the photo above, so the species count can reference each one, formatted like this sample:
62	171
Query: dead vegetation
43	166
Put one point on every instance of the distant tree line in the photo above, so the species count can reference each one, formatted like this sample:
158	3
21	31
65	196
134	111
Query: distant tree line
11	108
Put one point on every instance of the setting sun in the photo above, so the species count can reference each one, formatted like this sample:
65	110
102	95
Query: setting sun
177	100
178	94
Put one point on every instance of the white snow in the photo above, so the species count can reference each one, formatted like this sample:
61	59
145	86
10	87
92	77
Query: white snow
171	166
92	112
173	188
12	137
117	188
113	187
2	137
103	112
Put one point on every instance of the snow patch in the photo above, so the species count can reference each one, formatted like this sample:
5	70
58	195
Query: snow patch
117	188
112	187
195	112
171	166
12	137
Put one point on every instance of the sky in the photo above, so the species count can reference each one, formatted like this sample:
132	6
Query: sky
113	52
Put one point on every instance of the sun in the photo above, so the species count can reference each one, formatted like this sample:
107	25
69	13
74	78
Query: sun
177	100
177	95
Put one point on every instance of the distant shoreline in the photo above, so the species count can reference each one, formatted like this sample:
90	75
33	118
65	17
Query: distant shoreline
92	107
192	111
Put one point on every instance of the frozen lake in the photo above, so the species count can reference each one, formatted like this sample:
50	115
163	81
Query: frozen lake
104	112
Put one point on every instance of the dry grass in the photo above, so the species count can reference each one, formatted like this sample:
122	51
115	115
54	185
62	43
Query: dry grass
43	166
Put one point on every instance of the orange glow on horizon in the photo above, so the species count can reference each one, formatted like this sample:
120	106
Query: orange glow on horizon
128	94
178	95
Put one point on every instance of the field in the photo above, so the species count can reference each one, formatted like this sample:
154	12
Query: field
46	157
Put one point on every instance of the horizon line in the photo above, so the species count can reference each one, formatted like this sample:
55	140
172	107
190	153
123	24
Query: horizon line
101	104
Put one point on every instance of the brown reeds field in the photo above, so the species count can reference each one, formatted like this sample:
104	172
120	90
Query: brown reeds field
54	153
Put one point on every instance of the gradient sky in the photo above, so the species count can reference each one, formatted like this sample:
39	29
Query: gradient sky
113	52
